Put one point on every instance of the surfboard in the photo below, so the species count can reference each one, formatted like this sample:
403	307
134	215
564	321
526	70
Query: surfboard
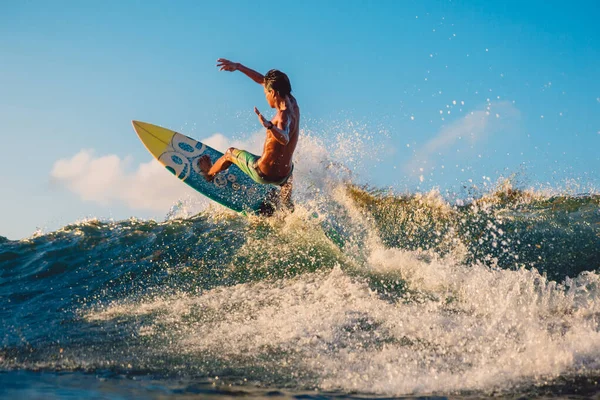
179	155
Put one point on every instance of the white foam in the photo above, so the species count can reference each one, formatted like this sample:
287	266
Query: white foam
465	328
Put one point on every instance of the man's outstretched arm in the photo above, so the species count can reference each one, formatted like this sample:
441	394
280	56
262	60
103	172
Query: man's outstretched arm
230	66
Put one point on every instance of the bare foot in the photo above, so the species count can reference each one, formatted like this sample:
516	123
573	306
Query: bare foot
204	163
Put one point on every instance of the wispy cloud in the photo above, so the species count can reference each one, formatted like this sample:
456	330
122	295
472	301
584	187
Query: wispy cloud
463	134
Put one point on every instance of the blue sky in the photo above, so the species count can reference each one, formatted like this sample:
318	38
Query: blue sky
443	91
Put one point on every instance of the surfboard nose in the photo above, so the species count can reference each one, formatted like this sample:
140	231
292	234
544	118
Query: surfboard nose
140	126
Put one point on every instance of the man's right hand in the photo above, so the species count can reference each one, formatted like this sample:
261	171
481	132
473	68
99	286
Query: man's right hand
227	65
231	66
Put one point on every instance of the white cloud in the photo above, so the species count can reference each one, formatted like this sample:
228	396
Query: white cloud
253	144
110	179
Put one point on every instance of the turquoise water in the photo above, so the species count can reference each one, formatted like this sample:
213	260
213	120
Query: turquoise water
415	295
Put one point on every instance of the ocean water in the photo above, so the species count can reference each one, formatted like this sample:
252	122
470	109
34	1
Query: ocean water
368	294
359	293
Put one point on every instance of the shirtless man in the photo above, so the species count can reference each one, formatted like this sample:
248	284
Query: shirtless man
274	166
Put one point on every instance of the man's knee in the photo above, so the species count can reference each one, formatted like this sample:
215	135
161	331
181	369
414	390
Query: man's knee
229	153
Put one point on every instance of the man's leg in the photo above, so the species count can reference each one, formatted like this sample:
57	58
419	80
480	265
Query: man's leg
209	170
285	195
278	201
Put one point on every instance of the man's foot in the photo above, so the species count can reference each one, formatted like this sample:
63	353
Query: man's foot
205	164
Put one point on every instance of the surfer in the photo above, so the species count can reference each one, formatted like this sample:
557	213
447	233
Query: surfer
275	165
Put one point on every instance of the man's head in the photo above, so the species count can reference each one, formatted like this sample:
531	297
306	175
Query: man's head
277	87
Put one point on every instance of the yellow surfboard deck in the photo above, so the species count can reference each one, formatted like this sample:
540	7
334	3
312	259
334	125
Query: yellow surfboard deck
179	155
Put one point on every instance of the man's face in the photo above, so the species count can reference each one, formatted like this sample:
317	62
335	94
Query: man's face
270	96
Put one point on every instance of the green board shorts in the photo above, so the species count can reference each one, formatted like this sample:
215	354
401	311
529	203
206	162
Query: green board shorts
247	163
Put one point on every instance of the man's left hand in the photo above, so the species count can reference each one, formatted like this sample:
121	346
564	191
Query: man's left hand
263	121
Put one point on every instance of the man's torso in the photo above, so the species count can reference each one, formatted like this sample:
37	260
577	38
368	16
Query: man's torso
276	160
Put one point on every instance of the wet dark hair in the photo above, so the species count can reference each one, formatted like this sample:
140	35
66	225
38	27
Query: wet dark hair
279	82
